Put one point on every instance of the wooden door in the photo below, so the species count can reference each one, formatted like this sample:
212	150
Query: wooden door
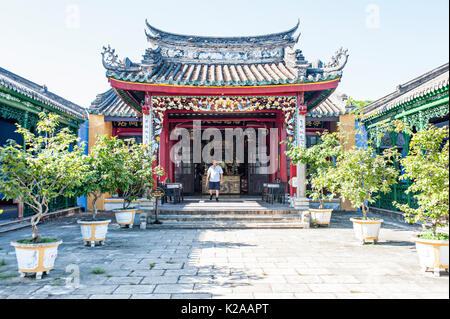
184	173
256	180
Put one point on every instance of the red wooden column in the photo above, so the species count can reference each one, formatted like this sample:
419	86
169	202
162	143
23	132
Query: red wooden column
282	147
292	173
273	151
147	125
163	148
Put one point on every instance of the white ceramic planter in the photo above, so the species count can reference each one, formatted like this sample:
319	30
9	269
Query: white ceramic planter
366	229
125	217
36	258
94	231
321	216
433	254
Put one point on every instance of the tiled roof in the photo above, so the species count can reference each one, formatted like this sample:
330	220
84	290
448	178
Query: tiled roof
219	61
426	83
334	105
40	93
110	104
219	75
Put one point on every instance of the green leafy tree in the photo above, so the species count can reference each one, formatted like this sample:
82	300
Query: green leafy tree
319	159
427	167
140	171
362	174
104	166
49	166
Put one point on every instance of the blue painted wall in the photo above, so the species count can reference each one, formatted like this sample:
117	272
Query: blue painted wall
361	135
83	134
7	131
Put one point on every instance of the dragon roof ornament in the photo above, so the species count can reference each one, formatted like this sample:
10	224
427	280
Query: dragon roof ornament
111	61
338	61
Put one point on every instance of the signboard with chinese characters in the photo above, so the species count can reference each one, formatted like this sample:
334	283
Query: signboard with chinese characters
301	130
127	124
146	132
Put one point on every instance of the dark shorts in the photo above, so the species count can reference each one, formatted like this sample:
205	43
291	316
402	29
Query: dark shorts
214	186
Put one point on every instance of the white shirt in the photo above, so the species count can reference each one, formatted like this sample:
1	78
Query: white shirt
214	173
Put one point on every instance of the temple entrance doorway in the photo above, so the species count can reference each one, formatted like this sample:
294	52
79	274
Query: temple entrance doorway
248	159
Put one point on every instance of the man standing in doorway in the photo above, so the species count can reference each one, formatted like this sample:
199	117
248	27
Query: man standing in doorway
215	179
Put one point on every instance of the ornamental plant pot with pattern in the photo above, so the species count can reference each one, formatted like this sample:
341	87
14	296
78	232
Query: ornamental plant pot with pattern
366	229
36	258
94	231
125	217
321	216
50	166
433	254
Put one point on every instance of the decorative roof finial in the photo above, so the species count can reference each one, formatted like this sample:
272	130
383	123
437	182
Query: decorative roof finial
111	61
338	61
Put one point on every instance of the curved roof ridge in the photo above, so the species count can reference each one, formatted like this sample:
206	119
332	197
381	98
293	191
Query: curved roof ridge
270	36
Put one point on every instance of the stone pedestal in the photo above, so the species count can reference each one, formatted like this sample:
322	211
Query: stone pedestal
147	206
302	205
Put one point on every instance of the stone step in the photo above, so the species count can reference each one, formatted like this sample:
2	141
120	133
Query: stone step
225	225
231	217
227	212
15	225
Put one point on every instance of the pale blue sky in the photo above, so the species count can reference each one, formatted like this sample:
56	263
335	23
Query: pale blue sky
40	40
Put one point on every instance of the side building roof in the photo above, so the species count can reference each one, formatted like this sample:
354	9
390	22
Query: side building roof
422	85
40	93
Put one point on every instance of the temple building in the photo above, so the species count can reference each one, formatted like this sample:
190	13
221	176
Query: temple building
21	101
418	102
196	82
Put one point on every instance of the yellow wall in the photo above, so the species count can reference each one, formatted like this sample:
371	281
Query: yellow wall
347	128
97	126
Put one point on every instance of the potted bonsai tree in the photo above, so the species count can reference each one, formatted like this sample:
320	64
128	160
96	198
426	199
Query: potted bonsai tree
103	166
361	175
47	166
136	182
319	159
427	166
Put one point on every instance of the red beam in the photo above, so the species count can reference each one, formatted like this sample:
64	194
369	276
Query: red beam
239	90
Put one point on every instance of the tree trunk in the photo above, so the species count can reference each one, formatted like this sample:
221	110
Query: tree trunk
35	233
34	221
94	205
433	228
365	209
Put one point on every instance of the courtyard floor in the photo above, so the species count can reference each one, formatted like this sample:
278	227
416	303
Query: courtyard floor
226	263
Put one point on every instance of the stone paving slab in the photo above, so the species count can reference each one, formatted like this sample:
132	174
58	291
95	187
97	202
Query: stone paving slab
316	263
